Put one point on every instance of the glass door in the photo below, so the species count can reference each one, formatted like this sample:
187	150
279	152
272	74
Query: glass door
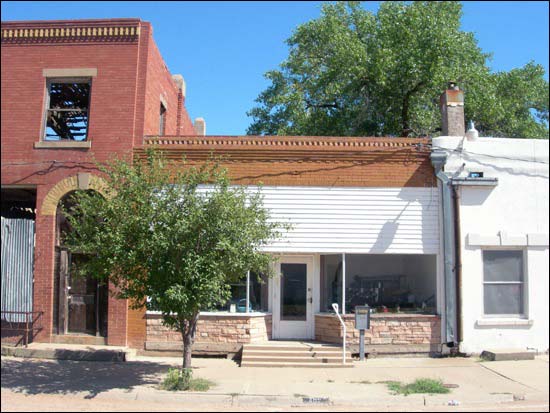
293	299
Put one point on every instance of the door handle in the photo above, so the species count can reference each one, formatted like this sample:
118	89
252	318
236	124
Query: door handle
310	299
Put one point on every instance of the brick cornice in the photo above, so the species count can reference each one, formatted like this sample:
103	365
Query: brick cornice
289	148
71	31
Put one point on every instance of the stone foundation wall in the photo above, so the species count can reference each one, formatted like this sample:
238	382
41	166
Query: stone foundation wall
215	333
422	332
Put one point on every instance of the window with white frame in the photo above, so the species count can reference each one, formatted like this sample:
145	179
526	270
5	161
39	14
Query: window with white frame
503	283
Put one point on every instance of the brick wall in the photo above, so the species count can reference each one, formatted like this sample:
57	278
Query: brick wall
116	122
159	83
314	161
117	321
137	328
328	173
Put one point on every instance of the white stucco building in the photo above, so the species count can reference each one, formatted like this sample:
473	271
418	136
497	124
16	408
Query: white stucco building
501	206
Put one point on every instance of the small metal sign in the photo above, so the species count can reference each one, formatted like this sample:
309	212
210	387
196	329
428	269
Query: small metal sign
362	317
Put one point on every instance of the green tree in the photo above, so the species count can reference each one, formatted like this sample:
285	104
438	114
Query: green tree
165	241
351	72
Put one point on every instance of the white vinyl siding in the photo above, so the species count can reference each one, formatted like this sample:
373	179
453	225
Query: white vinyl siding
355	220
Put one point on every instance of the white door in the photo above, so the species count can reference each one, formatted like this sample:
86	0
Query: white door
293	298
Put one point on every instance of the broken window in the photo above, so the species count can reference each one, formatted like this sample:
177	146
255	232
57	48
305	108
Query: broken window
162	121
67	111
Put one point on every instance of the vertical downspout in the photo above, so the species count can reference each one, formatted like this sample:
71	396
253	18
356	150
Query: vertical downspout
439	159
458	264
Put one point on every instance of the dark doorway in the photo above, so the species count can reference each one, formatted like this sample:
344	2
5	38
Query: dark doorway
80	305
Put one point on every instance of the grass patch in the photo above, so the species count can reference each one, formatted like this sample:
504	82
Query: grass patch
178	380
429	386
199	384
361	382
330	381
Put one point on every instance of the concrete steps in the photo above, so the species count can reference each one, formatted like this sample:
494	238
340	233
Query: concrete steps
294	355
81	339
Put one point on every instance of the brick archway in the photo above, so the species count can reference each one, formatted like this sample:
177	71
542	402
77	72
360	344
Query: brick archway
72	183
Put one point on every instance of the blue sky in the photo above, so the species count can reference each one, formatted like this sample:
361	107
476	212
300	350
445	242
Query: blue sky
222	49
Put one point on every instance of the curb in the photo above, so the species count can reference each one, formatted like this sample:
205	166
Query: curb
266	400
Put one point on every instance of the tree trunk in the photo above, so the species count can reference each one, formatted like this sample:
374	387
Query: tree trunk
188	330
405	115
405	129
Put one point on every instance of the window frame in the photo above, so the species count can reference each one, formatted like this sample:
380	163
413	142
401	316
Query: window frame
524	285
65	79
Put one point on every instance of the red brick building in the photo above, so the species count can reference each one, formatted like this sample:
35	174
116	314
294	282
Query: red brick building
128	85
73	91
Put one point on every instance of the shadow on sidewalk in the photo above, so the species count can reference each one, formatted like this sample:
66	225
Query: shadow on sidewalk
32	376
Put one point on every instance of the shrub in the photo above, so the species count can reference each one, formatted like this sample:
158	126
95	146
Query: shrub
423	385
177	379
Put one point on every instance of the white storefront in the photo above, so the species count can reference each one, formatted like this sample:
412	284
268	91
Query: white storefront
388	236
503	227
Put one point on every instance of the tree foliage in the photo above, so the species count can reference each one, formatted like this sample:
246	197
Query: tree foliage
159	234
354	73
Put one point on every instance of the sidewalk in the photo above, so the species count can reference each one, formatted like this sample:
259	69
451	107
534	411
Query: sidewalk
135	383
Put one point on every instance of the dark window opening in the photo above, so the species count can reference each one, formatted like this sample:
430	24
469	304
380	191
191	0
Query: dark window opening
19	203
162	121
67	112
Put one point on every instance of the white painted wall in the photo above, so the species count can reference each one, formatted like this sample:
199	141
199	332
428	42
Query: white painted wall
514	215
355	220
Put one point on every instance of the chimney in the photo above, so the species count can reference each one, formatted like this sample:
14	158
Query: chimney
180	84
451	103
200	127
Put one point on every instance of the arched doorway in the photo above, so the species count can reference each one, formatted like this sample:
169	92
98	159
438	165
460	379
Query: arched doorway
80	302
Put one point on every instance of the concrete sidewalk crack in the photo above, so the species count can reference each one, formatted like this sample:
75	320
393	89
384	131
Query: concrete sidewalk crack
508	378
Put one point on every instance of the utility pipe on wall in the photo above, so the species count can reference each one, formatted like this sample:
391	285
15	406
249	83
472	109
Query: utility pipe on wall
344	283
439	158
458	263
247	292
